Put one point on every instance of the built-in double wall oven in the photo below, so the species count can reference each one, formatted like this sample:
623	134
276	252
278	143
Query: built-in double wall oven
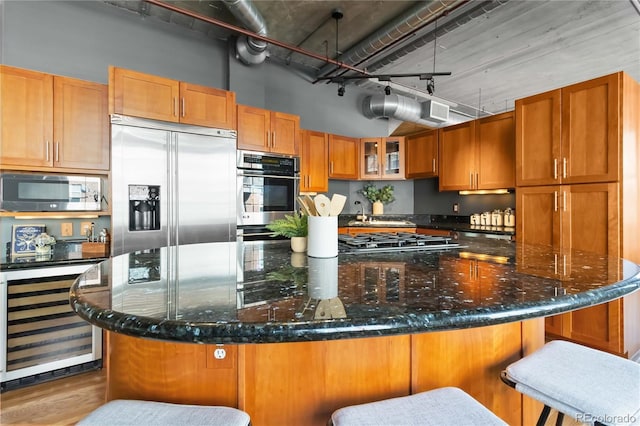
267	187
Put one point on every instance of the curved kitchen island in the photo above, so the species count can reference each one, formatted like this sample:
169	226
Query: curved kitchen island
289	338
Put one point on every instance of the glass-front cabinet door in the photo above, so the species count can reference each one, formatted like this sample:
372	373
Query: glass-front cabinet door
382	158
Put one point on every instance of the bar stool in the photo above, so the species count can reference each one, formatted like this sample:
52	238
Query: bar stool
592	386
438	407
141	413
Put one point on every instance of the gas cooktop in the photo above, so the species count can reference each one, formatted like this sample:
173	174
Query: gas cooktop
392	241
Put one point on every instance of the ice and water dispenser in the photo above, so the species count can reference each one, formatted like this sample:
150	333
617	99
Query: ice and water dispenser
144	207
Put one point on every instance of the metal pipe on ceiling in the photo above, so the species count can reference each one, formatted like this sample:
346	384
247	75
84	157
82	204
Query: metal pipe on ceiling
248	33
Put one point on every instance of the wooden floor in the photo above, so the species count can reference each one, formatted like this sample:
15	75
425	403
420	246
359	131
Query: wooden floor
65	401
59	402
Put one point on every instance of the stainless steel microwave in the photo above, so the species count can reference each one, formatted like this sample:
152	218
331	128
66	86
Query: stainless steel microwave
36	192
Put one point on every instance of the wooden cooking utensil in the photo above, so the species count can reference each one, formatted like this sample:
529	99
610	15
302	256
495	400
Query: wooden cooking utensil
323	205
303	206
337	204
311	205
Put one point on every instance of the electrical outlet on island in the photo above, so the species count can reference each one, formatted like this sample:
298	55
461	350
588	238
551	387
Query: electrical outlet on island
456	208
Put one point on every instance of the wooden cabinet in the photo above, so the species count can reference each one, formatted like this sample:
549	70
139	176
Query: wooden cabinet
577	176
570	135
575	217
267	131
353	230
435	232
477	154
581	217
343	157
421	159
314	161
495	152
457	157
144	95
80	125
382	158
53	122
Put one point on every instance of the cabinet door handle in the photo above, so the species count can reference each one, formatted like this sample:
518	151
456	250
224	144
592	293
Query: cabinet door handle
555	169
183	107
268	139
46	150
331	167
555	201
564	265
471	180
564	167
564	201
433	165
477	181
555	264
273	139
175	106
309	181
57	153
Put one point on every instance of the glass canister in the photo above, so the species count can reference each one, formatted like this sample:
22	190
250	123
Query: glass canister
496	218
509	218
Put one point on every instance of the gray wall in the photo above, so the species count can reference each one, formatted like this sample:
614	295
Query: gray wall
428	200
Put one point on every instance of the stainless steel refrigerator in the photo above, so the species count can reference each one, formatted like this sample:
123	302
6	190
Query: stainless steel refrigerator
172	184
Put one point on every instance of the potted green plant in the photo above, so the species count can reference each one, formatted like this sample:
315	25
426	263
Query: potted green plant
377	196
292	226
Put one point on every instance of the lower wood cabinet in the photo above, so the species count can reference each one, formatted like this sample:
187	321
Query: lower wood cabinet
584	217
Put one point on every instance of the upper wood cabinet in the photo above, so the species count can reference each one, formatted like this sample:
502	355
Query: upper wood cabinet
53	122
570	135
421	159
343	157
81	124
477	154
382	158
457	155
144	95
314	161
268	131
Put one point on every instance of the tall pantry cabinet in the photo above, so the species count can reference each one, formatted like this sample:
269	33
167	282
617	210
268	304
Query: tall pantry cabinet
577	188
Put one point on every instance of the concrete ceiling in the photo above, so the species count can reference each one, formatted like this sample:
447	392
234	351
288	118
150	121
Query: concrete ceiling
497	51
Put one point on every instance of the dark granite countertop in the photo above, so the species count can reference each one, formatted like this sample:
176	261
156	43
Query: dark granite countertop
261	292
63	253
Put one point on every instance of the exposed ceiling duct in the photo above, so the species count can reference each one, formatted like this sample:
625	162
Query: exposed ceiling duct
429	113
249	50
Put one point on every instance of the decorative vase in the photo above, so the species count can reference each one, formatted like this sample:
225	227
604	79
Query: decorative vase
299	244
378	207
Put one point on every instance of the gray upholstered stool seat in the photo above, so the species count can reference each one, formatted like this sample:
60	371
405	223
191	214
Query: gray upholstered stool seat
439	407
586	384
142	413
